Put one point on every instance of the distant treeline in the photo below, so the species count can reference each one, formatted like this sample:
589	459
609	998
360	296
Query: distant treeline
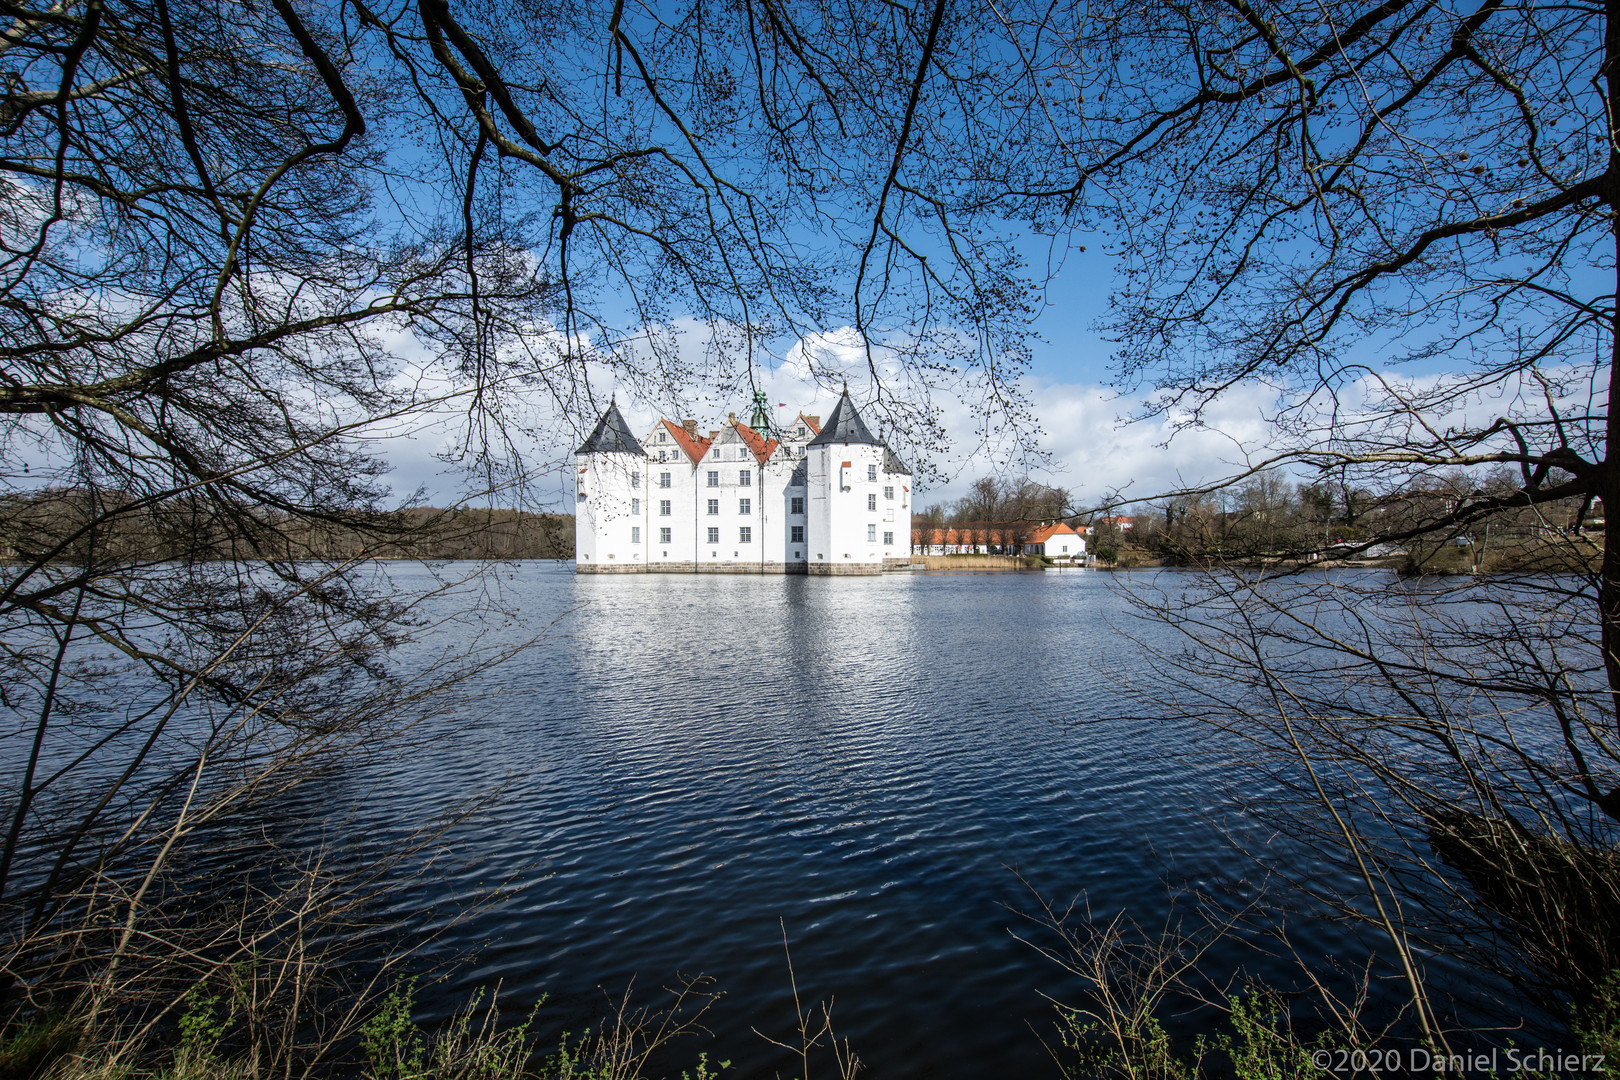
111	527
1270	516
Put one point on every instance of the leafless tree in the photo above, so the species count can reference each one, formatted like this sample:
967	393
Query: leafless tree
1398	224
239	242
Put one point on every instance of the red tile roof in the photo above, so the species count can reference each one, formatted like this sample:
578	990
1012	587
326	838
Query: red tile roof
971	532
814	423
756	442
695	448
1046	532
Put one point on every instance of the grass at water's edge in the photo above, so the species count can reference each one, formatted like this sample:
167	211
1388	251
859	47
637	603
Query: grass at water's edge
1119	1035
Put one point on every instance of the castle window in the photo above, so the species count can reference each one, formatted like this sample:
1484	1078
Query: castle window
663	508
714	477
714	506
663	536
661	455
871	535
635	478
635	506
799	431
663	479
715	453
581	496
745	535
663	436
745	507
635	534
742	453
796	534
871	502
888	493
871	472
796	504
714	536
745	478
888	539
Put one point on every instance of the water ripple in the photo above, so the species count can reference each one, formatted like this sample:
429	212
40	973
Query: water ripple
691	759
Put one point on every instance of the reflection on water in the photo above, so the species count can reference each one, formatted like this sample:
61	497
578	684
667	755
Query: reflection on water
873	761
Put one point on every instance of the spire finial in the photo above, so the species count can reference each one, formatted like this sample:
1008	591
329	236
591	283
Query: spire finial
846	387
761	420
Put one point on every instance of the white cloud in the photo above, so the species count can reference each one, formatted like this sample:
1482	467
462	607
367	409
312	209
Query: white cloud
1094	451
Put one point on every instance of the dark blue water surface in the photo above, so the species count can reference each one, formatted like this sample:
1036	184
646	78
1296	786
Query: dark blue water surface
690	763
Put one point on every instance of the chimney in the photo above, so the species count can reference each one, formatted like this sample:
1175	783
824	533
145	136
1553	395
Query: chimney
731	418
690	426
713	435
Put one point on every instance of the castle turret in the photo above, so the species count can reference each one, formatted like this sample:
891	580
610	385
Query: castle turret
853	504
610	528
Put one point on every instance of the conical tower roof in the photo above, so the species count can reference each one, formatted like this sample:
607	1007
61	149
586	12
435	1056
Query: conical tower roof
845	426
612	435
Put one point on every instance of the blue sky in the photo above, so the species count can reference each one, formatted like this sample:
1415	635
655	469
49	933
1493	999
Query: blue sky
1094	453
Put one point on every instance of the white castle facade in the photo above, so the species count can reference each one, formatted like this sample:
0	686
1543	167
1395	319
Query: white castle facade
807	498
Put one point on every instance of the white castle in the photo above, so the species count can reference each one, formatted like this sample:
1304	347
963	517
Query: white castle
748	499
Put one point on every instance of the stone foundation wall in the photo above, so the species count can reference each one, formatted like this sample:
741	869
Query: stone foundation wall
609	568
854	569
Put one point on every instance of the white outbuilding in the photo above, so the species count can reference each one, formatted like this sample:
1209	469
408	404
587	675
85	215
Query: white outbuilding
1056	541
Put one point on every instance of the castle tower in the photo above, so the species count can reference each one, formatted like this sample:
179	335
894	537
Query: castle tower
852	497
610	514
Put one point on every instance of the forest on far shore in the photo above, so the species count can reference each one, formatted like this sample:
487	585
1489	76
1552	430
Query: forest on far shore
40	526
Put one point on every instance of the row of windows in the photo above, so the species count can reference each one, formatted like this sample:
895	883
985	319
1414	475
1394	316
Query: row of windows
745	535
745	478
743	454
744	506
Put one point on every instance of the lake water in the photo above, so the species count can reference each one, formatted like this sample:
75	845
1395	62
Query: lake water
691	763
